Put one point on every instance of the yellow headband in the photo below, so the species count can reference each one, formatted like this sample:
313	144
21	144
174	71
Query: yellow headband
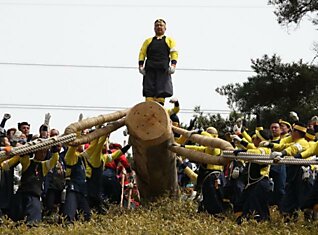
284	122
310	136
300	128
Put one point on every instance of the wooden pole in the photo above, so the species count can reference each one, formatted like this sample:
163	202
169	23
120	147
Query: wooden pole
199	157
95	121
150	132
204	140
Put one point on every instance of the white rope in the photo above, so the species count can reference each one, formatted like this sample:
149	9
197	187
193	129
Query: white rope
265	159
39	144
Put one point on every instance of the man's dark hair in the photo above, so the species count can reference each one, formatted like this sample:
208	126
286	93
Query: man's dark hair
22	124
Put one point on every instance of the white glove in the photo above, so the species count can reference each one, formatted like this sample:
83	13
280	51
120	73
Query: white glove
236	138
236	129
264	144
293	115
47	118
276	156
142	71
173	100
172	69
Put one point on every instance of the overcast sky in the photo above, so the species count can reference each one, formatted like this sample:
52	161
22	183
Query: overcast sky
213	35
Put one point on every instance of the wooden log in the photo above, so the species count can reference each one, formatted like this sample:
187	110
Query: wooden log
204	140
95	121
155	167
149	122
150	132
199	157
110	127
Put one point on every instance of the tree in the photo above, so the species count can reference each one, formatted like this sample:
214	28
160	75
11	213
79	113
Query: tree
276	89
292	11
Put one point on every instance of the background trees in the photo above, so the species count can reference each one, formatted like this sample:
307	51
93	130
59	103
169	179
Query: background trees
292	11
275	90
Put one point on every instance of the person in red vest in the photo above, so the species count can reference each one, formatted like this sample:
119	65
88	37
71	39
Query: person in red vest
111	184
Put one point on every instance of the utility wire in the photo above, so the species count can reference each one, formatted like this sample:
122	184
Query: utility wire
120	67
95	108
133	6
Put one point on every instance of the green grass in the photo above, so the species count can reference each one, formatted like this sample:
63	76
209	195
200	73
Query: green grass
164	217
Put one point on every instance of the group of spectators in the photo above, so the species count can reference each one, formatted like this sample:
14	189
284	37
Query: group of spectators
249	188
63	182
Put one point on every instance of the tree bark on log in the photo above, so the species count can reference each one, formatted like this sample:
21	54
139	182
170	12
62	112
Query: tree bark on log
199	157
149	127
204	140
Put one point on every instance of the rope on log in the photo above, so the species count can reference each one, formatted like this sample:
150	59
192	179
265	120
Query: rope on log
95	121
110	127
39	144
204	140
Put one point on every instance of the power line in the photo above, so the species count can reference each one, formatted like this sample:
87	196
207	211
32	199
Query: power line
120	67
131	5
94	108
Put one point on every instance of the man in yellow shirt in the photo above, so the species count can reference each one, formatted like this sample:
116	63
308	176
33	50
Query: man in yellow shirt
254	199
210	181
158	51
296	187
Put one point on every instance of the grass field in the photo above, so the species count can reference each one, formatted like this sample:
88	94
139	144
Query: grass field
164	217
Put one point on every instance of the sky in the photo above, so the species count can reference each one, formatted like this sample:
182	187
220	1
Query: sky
92	50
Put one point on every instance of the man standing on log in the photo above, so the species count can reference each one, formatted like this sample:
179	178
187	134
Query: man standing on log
158	51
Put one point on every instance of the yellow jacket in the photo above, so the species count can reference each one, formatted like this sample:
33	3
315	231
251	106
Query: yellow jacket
262	150
299	146
208	150
169	41
46	165
311	151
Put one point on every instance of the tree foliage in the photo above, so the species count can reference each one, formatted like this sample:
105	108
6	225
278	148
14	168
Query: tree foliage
292	11
276	89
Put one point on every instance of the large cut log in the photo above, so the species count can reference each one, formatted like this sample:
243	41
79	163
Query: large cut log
110	127
95	121
149	127
196	156
204	140
116	119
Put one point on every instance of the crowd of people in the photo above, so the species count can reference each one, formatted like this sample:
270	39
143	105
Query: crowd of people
63	181
70	181
250	189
